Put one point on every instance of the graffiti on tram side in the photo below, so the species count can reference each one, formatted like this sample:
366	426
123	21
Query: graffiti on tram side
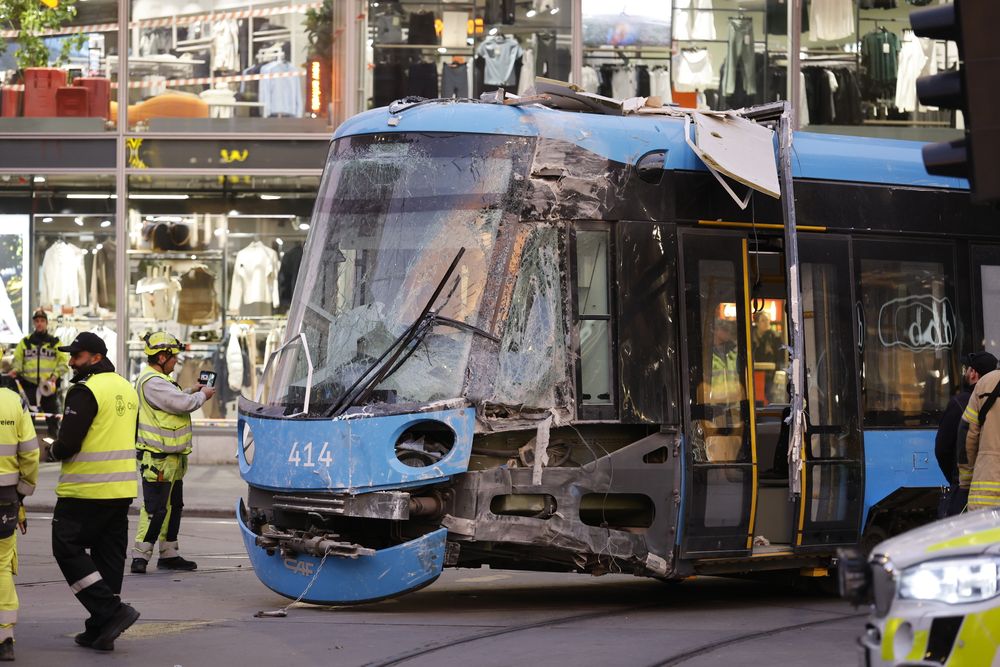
920	322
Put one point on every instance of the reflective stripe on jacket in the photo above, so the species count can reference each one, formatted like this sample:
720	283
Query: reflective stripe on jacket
18	445
160	431
104	468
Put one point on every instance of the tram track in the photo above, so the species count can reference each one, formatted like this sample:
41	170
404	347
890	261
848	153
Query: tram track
671	661
499	632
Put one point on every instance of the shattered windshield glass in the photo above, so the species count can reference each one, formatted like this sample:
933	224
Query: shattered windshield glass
392	214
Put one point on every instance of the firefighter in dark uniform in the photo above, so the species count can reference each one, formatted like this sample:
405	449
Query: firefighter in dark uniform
38	367
97	484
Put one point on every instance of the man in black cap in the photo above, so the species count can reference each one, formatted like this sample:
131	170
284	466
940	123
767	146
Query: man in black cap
38	367
97	484
975	365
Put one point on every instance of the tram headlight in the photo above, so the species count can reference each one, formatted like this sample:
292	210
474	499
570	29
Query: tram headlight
952	581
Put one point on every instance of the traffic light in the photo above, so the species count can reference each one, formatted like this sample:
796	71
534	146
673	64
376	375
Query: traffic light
974	89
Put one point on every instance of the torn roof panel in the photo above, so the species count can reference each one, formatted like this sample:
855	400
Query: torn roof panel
626	138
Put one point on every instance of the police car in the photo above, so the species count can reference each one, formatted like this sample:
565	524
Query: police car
934	593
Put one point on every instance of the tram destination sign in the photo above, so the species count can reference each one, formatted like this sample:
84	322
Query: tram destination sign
226	155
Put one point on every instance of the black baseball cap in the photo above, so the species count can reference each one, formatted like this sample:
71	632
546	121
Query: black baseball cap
86	342
983	362
40	313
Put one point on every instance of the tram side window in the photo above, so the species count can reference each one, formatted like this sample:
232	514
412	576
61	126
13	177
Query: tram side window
909	341
990	276
594	317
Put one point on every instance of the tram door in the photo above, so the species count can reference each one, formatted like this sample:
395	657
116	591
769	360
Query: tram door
736	481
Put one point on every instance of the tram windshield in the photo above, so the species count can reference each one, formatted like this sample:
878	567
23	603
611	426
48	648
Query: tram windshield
394	212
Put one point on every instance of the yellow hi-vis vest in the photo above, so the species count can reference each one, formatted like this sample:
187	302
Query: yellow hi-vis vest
104	468
18	445
36	363
160	431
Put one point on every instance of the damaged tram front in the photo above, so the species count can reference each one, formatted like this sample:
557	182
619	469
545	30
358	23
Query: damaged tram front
518	347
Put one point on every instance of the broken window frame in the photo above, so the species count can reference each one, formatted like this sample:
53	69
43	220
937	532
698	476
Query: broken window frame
594	411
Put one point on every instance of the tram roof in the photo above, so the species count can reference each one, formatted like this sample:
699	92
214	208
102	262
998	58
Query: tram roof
626	138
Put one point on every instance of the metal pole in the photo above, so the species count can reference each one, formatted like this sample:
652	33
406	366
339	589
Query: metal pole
795	337
121	189
576	52
794	89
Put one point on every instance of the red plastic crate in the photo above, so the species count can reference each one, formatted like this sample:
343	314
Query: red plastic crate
99	100
71	101
10	101
40	86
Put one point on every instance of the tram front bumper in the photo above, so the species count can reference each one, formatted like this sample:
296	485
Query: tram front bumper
339	579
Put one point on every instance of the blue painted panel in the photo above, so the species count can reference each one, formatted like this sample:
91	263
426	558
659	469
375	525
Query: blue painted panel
389	572
624	139
352	455
897	459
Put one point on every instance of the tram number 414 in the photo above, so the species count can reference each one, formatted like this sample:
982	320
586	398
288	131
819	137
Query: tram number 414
302	455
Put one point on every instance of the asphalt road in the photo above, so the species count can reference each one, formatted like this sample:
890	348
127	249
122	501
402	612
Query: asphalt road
480	618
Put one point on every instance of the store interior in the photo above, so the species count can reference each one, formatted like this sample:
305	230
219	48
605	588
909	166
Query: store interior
213	261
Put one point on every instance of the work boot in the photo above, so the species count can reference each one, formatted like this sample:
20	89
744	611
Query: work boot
119	622
176	563
7	649
85	638
139	565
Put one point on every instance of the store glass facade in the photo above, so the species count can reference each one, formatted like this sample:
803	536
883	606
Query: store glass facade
184	207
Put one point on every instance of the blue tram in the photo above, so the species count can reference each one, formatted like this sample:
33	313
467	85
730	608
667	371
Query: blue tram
534	339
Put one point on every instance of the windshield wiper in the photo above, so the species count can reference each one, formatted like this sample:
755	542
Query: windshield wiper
381	367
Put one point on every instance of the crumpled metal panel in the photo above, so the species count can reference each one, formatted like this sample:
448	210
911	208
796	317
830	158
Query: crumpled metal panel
570	183
346	454
393	571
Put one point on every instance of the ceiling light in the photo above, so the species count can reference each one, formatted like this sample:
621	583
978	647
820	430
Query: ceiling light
493	31
234	212
89	195
303	225
554	10
138	195
78	221
531	13
105	224
39	179
279	241
46	219
269	197
442	49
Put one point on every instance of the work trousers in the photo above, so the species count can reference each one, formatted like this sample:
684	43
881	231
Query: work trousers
8	595
47	404
89	541
159	518
740	54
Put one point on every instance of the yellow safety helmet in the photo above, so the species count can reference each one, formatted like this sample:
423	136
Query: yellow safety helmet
161	341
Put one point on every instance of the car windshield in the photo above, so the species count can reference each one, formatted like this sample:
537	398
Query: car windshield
392	214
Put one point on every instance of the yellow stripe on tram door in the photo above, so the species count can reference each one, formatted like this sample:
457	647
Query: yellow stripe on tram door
750	393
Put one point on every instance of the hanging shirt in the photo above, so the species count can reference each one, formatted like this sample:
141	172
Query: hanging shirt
623	83
255	277
527	79
591	80
158	296
832	19
659	84
281	95
693	20
693	70
63	276
225	45
879	57
912	61
10	330
110	339
500	56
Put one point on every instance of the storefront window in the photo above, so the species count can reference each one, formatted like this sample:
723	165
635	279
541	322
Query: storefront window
462	50
58	67
214	260
216	66
57	256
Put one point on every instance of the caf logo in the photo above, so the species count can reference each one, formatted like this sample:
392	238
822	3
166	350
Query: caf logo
119	405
